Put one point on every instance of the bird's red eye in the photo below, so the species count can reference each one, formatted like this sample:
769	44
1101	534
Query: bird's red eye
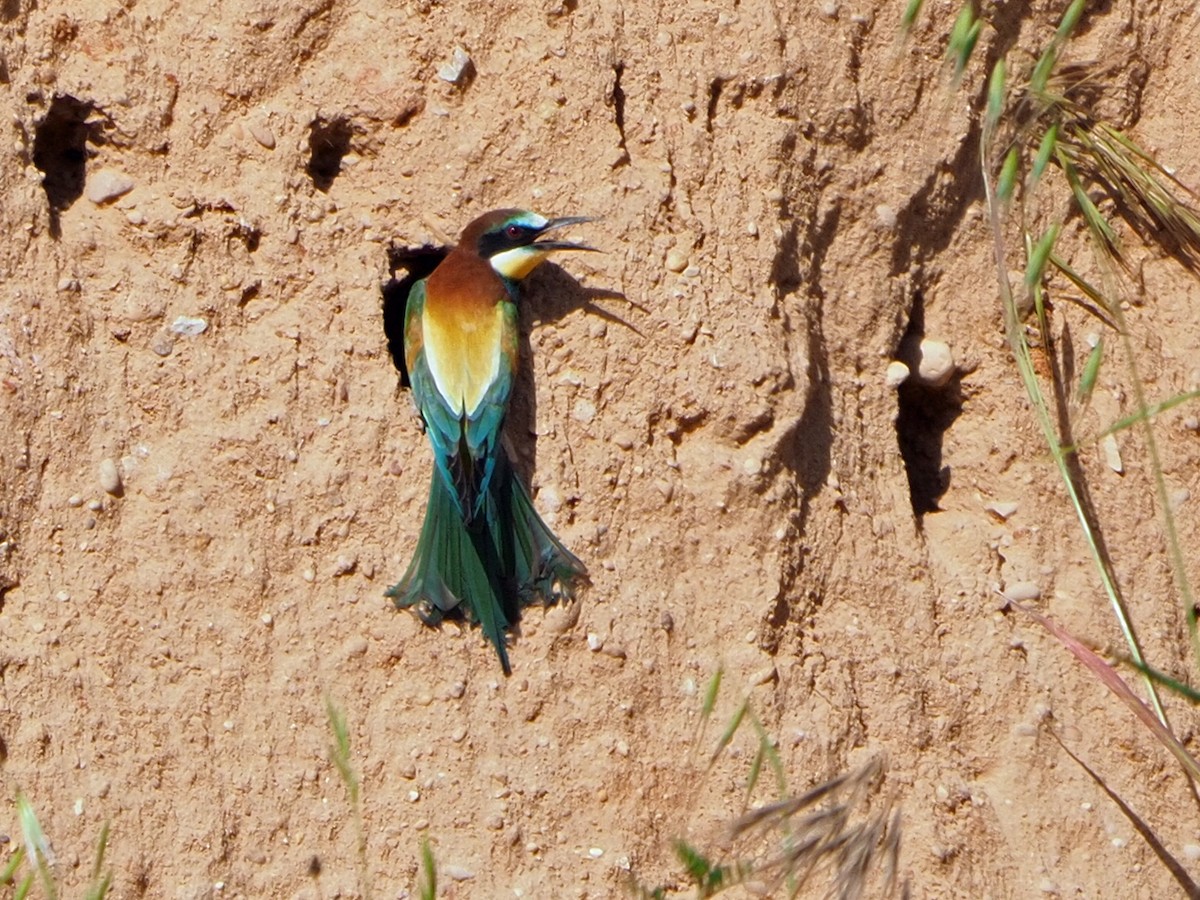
513	231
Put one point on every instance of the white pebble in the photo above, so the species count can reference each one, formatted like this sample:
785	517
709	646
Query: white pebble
885	215
1023	591
1112	453
1002	509
457	873
189	326
935	364
74	501
456	69
896	374
110	478
106	185
595	853
594	641
676	260
1191	851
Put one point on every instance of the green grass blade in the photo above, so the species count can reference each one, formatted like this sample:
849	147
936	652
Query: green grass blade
1069	20
428	884
963	36
911	12
37	847
710	694
727	735
996	93
1186	691
9	873
1091	372
1019	346
1095	295
1045	150
1148	413
101	881
1039	256
339	754
1008	176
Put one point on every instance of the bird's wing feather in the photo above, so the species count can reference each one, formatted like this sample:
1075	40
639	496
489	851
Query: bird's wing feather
462	366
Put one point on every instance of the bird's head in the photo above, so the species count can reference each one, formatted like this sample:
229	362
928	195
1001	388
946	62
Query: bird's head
513	240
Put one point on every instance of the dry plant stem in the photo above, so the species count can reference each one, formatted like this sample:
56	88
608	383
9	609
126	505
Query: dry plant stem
1106	155
1020	349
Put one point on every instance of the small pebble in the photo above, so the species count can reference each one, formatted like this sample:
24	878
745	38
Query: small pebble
616	651
309	575
457	690
897	373
1192	851
106	185
935	363
885	215
764	676
62	596
1023	591
595	853
676	260
110	478
455	71
75	501
1112	453
624	439
457	873
262	133
163	343
562	618
268	619
345	565
594	641
95	505
1002	510
189	326
458	734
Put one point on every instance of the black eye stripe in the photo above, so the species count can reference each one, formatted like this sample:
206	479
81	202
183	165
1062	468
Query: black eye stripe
512	235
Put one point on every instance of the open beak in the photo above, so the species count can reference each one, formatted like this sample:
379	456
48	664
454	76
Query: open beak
554	225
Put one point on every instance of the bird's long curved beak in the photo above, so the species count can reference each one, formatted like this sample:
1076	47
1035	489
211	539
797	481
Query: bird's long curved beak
563	222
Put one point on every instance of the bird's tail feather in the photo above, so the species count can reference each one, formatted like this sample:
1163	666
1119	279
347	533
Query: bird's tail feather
532	557
504	560
454	564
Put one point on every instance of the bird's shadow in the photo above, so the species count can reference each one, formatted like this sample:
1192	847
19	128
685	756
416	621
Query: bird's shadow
547	296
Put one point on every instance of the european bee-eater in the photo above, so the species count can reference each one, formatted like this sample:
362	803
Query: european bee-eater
483	545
